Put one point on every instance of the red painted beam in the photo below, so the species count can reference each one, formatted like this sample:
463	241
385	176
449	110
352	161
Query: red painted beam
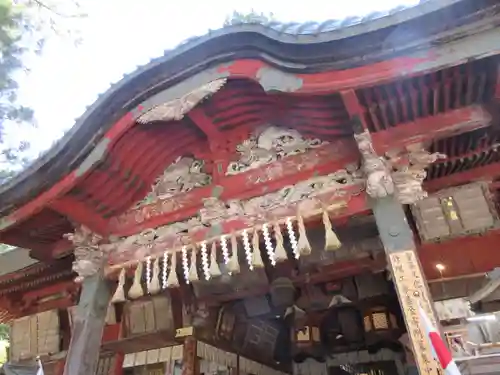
487	172
198	116
80	213
461	256
428	128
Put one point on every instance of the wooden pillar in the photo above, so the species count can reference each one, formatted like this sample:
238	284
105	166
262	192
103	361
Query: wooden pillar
407	275
85	345
95	296
190	362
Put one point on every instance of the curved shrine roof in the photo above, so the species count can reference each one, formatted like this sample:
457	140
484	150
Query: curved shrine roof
289	50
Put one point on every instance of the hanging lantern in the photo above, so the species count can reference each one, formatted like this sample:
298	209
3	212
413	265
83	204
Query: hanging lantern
306	341
282	292
379	324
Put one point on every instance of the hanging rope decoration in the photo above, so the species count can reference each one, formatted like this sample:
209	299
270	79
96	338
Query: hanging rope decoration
269	245
135	290
154	285
172	280
185	264
225	250
158	275
164	271
279	252
234	264
119	295
193	273
332	241
148	271
248	249
204	260
214	267
292	239
303	244
256	256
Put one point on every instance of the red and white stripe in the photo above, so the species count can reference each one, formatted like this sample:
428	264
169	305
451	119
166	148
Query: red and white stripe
439	349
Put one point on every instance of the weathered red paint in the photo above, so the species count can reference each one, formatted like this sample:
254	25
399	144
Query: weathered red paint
259	181
460	256
441	125
80	213
67	182
336	80
488	173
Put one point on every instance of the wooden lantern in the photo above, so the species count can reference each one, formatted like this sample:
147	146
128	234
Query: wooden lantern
379	324
306	342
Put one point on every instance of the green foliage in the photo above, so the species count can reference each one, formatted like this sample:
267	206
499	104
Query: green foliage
23	30
238	18
4	332
13	28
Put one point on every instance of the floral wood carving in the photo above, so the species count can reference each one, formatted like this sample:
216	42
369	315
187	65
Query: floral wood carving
377	170
269	144
89	254
183	175
176	109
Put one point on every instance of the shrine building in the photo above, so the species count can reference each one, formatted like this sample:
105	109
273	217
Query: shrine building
271	199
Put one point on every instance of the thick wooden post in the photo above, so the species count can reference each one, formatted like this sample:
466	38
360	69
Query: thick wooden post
407	275
83	353
190	362
90	317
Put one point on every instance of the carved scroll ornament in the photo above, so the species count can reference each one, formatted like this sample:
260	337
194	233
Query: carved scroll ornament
268	144
90	253
176	109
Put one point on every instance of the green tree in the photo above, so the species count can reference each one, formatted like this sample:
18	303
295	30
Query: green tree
238	18
24	26
4	332
13	28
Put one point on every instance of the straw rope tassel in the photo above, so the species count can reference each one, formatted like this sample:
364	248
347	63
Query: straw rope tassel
233	265
136	288
279	251
154	285
193	273
303	244
256	255
172	280
214	267
119	295
332	241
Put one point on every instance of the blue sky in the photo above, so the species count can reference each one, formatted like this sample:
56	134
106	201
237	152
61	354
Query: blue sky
119	35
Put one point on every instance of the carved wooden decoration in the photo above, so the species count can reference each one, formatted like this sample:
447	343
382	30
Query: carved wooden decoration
399	172
176	109
268	144
182	176
90	256
313	196
410	285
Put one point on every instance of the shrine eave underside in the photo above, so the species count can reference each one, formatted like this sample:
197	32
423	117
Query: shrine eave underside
303	62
